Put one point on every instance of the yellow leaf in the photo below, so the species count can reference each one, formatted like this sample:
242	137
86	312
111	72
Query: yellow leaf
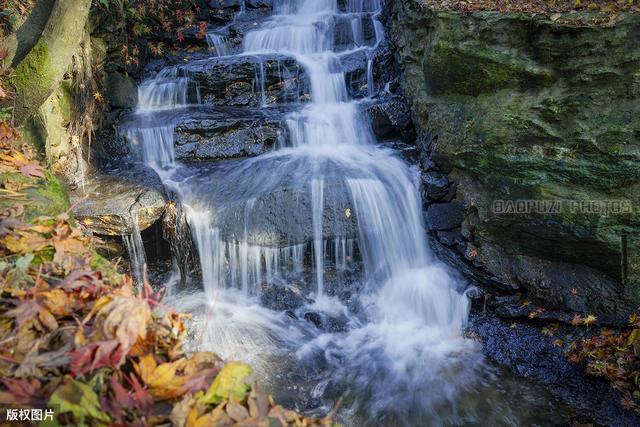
232	382
347	213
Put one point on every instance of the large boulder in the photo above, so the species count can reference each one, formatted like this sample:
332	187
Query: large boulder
514	108
114	205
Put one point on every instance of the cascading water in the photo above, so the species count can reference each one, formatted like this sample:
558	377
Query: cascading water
337	194
135	248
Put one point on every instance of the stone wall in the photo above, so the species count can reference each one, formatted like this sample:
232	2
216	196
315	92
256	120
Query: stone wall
513	107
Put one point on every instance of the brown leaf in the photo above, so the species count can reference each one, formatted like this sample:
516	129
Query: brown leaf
125	319
236	411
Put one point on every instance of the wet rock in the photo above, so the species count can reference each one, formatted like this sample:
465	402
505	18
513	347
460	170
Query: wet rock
450	238
445	216
236	5
314	318
435	186
211	133
409	153
249	80
346	38
391	118
121	91
558	286
475	293
528	352
114	203
208	132
327	322
270	209
281	297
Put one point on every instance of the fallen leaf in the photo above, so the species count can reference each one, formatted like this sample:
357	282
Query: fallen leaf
78	399
232	382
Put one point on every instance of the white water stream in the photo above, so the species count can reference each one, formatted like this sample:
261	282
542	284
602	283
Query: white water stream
403	351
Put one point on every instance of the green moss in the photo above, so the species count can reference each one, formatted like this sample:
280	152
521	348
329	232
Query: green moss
467	69
65	101
34	72
48	198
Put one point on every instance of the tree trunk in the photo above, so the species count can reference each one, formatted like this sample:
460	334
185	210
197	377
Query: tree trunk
40	72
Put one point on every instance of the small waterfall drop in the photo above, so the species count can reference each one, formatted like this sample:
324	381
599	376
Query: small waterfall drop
135	249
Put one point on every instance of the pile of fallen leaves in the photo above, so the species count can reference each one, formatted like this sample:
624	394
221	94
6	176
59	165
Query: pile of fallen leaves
614	356
77	337
547	7
12	12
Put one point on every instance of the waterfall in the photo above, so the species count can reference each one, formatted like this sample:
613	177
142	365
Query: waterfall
317	200
331	191
168	90
218	43
135	248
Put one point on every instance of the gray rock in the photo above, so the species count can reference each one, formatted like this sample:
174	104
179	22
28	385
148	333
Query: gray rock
211	133
391	118
249	81
435	186
445	216
113	203
270	209
121	91
450	238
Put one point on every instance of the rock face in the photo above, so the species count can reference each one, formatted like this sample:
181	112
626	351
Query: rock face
514	107
115	202
249	80
212	133
121	90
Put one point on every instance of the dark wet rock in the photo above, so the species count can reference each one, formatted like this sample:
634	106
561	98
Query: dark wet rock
208	132
435	186
558	286
115	203
528	352
344	37
327	322
236	5
475	293
177	233
211	133
445	216
391	118
121	91
409	153
270	209
240	80
452	256
314	318
450	238
244	23
282	296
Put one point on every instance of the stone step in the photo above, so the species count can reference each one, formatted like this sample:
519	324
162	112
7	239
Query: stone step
132	197
206	132
249	81
269	209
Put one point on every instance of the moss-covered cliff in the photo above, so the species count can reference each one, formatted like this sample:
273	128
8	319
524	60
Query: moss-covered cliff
517	107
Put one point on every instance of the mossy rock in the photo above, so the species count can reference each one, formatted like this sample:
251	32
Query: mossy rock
518	107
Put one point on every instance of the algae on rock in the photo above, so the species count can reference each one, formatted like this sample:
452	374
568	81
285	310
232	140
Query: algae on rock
518	107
